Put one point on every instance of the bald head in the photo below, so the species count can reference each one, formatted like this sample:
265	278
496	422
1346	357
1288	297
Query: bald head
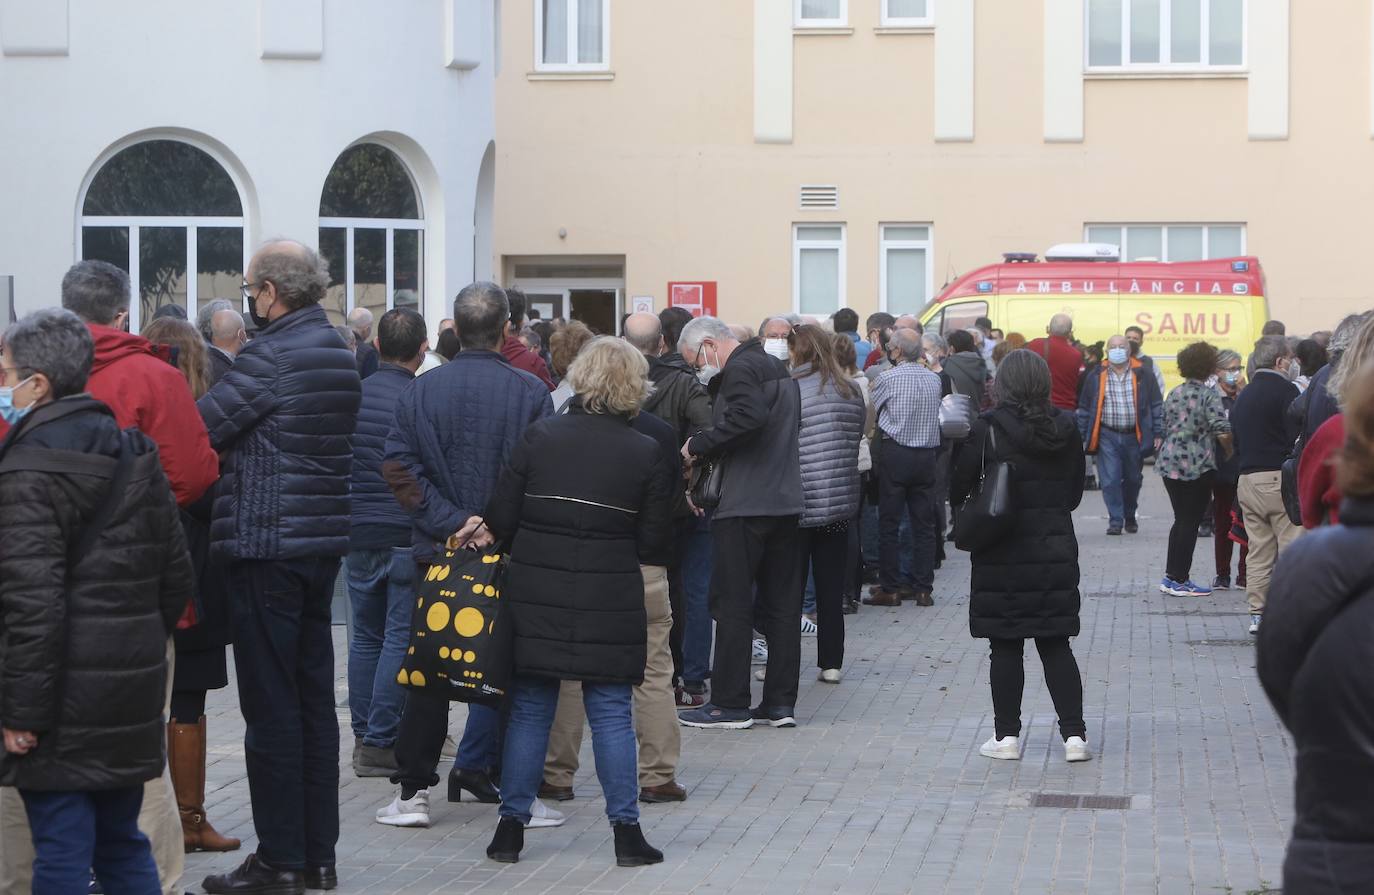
645	333
740	332
907	343
226	330
908	321
775	328
1060	325
360	321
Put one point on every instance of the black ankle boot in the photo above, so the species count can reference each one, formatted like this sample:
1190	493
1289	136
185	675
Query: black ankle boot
478	783
630	848
509	839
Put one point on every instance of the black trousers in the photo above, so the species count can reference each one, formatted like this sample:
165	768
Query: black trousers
906	484
756	554
1189	499
284	658
1008	674
677	594
824	551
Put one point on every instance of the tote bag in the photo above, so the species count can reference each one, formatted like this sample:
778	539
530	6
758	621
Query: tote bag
988	515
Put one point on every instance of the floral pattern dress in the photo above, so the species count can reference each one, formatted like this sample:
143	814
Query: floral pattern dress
1193	418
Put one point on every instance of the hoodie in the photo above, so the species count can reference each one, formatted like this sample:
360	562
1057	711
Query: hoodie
969	374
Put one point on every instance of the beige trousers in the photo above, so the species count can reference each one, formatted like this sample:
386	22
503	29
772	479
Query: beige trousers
655	709
1268	529
159	819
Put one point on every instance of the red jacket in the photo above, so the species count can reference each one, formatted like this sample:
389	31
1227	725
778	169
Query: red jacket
1065	364
1318	493
522	358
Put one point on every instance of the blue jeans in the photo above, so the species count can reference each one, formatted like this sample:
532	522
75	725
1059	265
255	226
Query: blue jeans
696	578
76	832
1120	470
381	589
534	701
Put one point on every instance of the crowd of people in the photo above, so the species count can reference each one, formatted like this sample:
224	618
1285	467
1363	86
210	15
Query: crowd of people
201	486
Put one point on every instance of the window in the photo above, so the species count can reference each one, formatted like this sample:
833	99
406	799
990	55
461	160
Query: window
1171	242
1165	34
371	234
821	13
957	316
572	35
907	14
168	214
904	268
818	268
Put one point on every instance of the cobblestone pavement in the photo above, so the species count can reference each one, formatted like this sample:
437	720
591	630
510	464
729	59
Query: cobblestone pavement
881	788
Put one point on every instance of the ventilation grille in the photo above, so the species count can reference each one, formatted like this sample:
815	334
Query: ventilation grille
815	197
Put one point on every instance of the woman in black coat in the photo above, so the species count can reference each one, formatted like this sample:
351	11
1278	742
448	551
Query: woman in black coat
583	501
1316	661
1026	584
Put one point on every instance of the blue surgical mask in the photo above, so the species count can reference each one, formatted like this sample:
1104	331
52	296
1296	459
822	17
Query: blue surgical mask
8	412
1117	355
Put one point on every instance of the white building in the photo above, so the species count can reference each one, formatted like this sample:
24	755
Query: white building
171	138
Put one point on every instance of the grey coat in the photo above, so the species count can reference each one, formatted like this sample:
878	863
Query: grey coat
831	426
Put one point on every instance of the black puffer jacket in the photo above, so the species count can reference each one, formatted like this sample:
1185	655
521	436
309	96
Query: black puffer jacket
83	649
583	498
1316	662
1027	584
678	399
283	420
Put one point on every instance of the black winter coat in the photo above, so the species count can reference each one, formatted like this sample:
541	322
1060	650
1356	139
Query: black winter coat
1027	584
83	647
283	418
678	399
1316	661
583	500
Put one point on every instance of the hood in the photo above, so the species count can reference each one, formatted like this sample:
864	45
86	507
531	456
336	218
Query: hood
113	345
1041	437
674	359
76	423
969	362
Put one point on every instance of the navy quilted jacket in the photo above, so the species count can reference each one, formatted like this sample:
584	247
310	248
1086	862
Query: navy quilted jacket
455	428
378	520
283	420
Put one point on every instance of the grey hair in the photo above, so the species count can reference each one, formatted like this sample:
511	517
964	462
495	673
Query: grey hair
57	344
1358	353
703	328
95	291
360	321
348	335
937	341
480	314
1226	355
794	319
1345	332
908	342
785	319
1268	350
1060	325
1023	384
207	312
296	270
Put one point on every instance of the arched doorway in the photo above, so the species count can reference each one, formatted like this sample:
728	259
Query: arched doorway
484	217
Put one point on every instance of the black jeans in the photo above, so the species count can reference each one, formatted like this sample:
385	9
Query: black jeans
906	483
825	552
756	553
1189	499
284	657
677	593
1008	674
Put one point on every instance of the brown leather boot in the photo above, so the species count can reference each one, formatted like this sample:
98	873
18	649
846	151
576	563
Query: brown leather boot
186	758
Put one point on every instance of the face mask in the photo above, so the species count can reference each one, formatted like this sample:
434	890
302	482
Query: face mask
707	373
1117	355
8	412
1294	369
777	348
260	320
1231	377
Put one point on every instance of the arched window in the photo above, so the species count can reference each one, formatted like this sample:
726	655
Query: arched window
372	233
170	215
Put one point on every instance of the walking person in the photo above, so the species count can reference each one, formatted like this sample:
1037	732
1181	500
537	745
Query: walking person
1230	379
575	584
832	425
283	417
94	574
1195	429
1120	416
1065	361
1026	584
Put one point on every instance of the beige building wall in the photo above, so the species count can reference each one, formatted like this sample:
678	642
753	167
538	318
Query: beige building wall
677	159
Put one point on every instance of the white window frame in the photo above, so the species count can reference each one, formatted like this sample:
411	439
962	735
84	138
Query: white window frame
885	244
541	66
390	225
1164	235
841	22
840	245
1165	43
889	21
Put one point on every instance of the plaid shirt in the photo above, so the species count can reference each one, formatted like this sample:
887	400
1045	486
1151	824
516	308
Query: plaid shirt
1118	408
907	401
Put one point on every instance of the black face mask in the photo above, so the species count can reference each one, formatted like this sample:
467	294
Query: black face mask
259	320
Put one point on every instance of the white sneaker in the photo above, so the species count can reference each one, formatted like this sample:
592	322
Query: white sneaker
760	656
542	816
1005	749
808	627
830	675
1076	749
1255	623
412	812
760	674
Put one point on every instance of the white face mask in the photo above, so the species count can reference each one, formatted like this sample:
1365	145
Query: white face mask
777	348
707	373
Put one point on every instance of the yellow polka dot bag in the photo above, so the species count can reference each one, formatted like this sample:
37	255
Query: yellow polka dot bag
460	634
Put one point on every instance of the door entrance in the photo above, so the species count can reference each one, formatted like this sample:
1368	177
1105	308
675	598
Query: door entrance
596	308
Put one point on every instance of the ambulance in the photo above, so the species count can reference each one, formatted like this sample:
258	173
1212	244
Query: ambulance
1220	301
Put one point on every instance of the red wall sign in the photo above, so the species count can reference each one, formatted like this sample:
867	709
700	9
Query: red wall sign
699	298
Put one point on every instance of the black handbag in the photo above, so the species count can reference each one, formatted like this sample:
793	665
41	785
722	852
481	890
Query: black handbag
705	485
987	516
1288	488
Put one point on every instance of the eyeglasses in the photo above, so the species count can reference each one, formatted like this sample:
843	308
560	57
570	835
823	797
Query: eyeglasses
247	288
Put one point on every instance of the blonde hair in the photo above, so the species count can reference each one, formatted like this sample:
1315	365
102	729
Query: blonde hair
193	359
610	376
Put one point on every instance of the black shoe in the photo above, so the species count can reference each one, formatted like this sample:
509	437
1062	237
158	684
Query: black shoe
254	877
321	876
776	715
478	783
1132	527
850	606
1114	530
630	848
870	575
506	844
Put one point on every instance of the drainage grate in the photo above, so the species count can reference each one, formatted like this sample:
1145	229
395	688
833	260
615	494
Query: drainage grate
1052	800
1087	803
1191	613
1107	803
1247	643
